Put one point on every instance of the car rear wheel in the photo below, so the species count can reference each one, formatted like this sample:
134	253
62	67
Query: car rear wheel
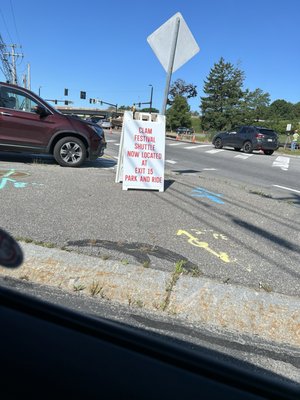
218	143
69	152
248	147
268	152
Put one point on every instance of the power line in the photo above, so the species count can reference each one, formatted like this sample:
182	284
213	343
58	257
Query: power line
6	67
14	19
6	26
9	68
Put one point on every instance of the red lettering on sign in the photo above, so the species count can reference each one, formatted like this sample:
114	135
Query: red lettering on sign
145	130
156	179
131	178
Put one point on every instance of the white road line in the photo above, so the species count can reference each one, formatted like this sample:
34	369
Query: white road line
209	169
282	162
171	162
110	140
286	188
174	144
214	151
193	147
117	144
243	156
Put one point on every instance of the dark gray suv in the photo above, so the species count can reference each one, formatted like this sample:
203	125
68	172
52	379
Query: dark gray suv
248	138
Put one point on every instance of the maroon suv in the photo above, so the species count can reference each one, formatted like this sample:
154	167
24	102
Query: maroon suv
29	124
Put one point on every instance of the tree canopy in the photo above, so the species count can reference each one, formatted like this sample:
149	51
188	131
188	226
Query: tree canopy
179	114
183	89
222	104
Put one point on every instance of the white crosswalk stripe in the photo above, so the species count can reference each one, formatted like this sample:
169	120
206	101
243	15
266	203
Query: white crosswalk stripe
171	161
174	144
214	151
193	147
243	156
282	162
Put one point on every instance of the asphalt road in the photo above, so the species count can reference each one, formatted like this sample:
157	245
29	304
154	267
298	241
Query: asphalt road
280	363
239	229
220	212
278	173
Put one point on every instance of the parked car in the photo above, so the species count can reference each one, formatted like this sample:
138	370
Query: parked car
106	125
182	130
96	120
28	124
248	138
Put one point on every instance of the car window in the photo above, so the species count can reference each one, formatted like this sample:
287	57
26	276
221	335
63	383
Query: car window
14	99
267	132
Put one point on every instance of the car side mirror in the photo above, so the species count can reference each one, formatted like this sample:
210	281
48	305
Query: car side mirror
41	111
11	254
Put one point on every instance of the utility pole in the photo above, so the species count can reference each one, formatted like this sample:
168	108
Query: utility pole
14	56
28	77
151	98
6	67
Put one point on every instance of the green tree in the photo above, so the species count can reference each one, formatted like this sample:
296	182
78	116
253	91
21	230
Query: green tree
222	106
147	109
179	114
123	107
255	105
183	89
297	109
281	109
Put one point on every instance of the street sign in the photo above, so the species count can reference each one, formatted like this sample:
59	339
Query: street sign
173	44
142	152
161	43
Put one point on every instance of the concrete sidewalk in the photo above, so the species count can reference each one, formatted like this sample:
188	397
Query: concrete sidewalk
202	301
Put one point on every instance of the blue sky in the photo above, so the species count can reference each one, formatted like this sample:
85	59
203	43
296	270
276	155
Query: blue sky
101	46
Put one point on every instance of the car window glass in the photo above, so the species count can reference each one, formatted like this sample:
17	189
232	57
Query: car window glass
243	130
13	99
267	132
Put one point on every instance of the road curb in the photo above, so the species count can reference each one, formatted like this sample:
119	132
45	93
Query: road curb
272	316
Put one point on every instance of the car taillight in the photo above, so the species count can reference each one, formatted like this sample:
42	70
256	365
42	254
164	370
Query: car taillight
259	135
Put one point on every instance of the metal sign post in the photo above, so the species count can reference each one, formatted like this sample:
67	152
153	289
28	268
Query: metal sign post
171	63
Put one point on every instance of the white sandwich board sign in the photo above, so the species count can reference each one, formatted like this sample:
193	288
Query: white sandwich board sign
142	152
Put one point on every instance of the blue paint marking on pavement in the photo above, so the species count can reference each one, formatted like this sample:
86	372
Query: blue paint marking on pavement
215	197
17	184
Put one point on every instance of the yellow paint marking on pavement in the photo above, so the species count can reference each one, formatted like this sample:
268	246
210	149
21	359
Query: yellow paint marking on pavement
204	245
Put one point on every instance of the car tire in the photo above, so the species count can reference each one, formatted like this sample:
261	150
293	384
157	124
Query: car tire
218	143
248	148
70	152
268	152
237	148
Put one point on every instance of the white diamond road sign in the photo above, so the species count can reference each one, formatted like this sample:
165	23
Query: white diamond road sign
161	43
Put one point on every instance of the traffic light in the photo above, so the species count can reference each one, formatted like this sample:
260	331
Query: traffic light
83	95
66	92
91	100
66	102
55	101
